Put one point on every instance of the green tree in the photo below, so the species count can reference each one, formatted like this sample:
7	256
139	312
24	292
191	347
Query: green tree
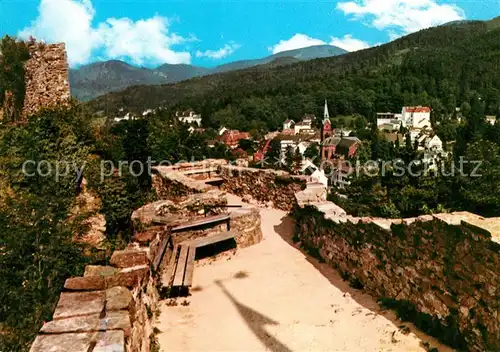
14	53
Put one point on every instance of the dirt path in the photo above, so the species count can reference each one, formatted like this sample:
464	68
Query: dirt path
272	297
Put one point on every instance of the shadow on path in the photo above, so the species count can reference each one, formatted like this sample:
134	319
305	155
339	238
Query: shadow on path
286	230
256	322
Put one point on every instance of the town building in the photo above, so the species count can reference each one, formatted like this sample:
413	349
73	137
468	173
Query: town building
231	137
413	117
335	147
491	119
260	154
221	130
127	117
433	144
309	119
189	117
317	175
416	117
302	127
288	124
341	173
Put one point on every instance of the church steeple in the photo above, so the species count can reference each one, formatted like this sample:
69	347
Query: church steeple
326	114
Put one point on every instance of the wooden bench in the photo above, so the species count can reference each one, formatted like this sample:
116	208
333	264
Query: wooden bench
178	276
209	220
205	241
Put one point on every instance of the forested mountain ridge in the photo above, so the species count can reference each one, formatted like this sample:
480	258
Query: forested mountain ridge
99	78
441	67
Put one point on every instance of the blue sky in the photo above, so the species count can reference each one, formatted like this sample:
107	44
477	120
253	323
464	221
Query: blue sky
209	33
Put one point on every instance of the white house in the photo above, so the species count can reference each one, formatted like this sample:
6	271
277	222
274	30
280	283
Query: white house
302	146
340	175
434	144
302	127
127	117
416	116
147	112
491	119
288	124
189	117
316	174
222	130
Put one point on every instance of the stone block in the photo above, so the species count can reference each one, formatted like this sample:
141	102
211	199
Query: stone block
118	320
89	283
128	277
118	298
75	342
129	258
110	341
79	303
99	270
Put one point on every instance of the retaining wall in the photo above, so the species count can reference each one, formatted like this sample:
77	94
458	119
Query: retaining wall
277	188
441	272
109	308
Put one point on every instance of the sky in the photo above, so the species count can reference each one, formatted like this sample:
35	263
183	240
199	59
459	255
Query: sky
209	33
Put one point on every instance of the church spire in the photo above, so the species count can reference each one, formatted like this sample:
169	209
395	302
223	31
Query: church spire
326	114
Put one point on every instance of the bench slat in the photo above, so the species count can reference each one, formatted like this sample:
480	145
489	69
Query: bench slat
168	274
188	277
181	266
205	221
205	241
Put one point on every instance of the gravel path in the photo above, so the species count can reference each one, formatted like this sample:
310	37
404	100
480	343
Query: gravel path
272	297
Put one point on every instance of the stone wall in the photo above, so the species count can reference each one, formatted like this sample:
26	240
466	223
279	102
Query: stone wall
109	308
47	78
180	180
185	197
441	272
265	186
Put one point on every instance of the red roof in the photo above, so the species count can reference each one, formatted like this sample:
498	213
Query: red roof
417	109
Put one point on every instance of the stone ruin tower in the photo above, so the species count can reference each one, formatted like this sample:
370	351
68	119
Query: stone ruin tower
46	78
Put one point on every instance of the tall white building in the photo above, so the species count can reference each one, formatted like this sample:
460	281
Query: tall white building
416	117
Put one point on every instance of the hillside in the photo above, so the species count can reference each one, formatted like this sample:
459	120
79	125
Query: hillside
442	67
99	78
304	54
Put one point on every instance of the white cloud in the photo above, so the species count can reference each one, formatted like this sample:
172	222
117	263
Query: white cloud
403	16
227	50
70	21
296	42
349	43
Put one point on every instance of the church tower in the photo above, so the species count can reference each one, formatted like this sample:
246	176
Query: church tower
326	114
326	129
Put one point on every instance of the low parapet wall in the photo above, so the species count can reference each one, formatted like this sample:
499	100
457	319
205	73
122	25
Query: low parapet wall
186	196
441	272
109	308
264	185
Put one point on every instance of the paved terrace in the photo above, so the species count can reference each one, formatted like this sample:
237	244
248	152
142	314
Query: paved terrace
273	297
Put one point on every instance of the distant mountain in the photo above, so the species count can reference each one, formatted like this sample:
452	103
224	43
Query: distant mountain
303	54
442	67
99	78
93	80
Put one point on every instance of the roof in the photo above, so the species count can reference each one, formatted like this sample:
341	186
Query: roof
289	121
348	142
414	109
305	124
331	141
296	137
